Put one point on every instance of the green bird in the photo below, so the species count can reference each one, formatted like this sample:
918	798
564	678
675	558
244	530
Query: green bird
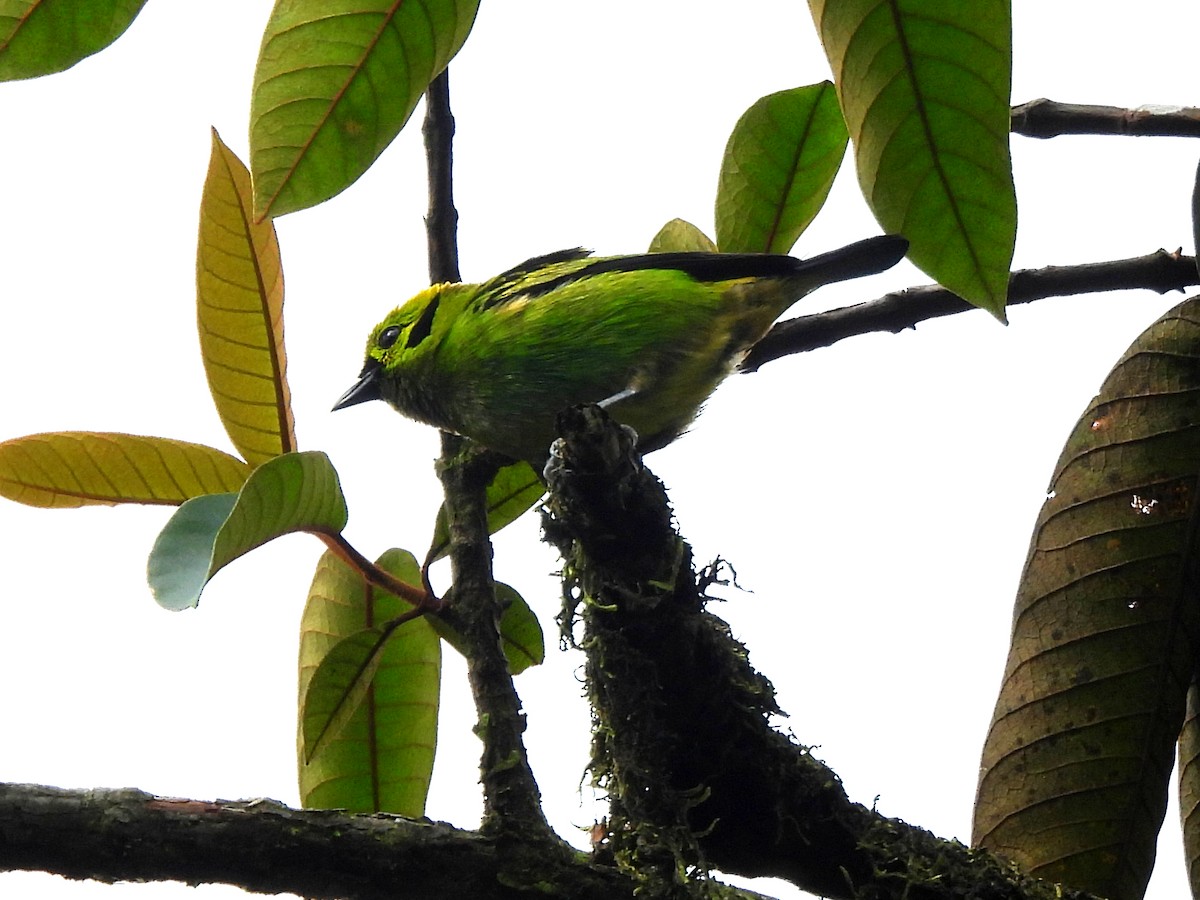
648	337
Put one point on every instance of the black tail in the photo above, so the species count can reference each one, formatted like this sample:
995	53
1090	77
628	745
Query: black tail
869	257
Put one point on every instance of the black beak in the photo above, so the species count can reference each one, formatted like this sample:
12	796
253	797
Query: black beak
367	387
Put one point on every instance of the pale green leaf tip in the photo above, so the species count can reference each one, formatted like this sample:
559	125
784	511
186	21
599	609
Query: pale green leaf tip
180	562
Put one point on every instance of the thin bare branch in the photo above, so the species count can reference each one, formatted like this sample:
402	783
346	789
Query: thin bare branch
441	222
512	802
1049	118
1160	271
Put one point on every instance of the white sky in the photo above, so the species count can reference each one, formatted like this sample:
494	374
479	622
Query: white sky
877	496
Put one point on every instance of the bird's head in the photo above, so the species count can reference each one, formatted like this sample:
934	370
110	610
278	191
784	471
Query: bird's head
394	341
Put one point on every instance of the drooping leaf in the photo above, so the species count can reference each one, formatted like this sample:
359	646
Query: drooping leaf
1189	786
514	489
924	86
84	468
335	83
778	167
293	492
39	37
680	235
239	313
520	632
1078	759
380	732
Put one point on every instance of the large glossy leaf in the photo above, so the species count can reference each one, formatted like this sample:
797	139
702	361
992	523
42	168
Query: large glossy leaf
1078	758
84	468
294	492
514	489
679	234
778	167
520	632
335	83
924	86
239	312
38	37
374	713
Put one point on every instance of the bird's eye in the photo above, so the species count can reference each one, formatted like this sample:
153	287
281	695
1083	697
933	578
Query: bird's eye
387	337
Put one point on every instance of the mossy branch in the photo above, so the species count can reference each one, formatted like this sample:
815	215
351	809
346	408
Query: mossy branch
683	737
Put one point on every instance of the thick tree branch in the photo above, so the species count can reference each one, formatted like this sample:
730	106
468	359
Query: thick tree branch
266	847
683	738
1047	118
1160	271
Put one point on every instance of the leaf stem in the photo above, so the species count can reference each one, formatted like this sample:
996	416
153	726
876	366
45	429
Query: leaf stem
422	600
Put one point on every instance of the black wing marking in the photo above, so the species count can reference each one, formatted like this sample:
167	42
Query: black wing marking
531	265
699	265
501	288
852	261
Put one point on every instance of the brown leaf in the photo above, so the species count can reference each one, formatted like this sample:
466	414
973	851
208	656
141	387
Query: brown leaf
1078	758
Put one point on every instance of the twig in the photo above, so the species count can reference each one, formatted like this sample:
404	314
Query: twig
441	222
512	802
1049	118
1159	271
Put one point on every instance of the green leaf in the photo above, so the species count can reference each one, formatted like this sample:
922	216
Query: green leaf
239	313
39	37
85	468
778	167
294	492
377	704
337	688
1078	759
924	86
514	489
335	83
683	236
520	632
182	557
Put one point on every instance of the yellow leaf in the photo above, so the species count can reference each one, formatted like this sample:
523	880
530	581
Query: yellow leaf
239	312
82	468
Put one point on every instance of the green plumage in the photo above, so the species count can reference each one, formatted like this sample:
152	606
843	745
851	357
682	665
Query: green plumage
497	361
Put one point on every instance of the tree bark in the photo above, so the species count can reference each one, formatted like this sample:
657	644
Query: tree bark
266	847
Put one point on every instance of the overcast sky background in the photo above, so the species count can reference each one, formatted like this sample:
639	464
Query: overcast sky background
876	497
